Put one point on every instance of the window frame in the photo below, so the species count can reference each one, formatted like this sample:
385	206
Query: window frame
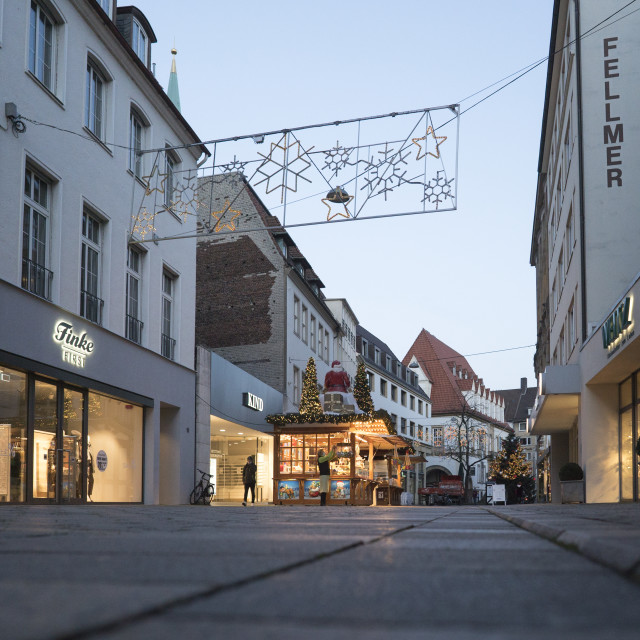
35	42
167	328
94	118
136	143
139	36
296	315
91	244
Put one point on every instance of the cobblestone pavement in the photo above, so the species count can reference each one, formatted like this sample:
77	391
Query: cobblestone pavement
154	572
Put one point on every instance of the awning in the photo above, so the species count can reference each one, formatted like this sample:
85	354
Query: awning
556	406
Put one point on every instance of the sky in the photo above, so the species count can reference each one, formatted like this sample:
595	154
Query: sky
463	275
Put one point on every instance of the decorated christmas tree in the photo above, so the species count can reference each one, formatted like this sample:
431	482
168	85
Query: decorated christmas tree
512	469
361	391
309	399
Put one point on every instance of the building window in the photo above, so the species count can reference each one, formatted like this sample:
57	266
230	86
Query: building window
42	46
312	333
570	233
326	346
170	164
383	387
139	41
36	278
365	348
296	315
90	302
136	142
571	327
412	429
168	345
371	381
394	393
94	102
522	426
106	6
305	327
388	363
320	340
403	398
437	437
134	277
403	425
420	407
377	355
296	385
412	403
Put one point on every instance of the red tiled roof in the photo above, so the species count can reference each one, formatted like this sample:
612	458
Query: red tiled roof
437	359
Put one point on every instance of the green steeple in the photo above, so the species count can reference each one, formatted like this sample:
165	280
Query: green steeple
172	91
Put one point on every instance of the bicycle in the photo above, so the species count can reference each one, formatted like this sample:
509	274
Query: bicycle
203	491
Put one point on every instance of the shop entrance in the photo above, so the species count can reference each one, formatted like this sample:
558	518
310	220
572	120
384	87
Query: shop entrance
58	451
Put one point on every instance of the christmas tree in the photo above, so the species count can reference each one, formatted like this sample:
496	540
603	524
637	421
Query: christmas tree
309	399
512	469
361	391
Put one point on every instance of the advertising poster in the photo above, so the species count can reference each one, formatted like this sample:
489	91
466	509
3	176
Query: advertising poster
288	490
312	489
499	494
340	489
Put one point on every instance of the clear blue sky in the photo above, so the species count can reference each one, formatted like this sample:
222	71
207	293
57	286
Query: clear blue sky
464	276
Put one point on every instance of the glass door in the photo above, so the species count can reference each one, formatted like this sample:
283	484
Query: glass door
58	443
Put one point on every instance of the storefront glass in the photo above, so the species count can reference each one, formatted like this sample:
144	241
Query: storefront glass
299	453
45	444
13	435
114	470
626	455
72	449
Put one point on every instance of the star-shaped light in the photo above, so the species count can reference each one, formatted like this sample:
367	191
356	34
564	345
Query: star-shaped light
416	141
147	181
337	197
218	215
143	222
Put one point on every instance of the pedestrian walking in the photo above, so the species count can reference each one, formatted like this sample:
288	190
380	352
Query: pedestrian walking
249	480
325	473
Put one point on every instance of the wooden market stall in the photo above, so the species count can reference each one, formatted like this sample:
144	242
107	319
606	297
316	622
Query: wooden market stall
366	471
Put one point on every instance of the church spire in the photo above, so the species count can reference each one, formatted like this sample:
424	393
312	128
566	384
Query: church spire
172	91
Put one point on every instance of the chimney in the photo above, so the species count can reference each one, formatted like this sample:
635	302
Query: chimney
523	386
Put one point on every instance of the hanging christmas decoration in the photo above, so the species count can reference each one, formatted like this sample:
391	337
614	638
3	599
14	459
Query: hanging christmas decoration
337	197
422	153
438	189
219	216
159	181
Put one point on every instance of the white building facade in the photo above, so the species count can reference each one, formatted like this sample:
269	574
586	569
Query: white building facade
97	353
585	248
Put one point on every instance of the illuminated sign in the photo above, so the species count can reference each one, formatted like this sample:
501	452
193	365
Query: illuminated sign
617	324
75	347
253	402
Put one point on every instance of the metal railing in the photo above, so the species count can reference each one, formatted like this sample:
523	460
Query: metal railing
168	347
36	278
91	307
134	329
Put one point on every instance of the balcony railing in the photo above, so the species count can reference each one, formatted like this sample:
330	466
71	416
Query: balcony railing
36	279
134	329
168	347
91	307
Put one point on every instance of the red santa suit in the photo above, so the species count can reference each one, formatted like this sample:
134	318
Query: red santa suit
336	379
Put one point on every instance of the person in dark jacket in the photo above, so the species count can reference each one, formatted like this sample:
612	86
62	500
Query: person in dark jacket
325	473
249	480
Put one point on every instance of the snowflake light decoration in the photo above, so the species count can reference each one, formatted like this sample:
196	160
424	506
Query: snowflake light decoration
383	175
143	222
438	189
234	165
278	169
337	158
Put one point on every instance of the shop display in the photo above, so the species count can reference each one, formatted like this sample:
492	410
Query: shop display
288	490
312	489
340	489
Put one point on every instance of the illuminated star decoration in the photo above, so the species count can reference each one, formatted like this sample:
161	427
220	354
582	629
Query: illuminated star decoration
218	215
283	168
143	222
147	181
340	197
421	154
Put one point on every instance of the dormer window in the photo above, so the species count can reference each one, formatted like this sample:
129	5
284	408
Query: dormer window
139	41
106	6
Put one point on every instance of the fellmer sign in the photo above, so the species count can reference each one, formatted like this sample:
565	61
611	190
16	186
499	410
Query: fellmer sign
75	346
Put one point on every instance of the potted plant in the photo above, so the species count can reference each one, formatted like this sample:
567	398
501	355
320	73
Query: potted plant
571	483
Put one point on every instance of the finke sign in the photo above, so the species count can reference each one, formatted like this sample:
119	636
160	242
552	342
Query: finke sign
75	346
617	325
253	402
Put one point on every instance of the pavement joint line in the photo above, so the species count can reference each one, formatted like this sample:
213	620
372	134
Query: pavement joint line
159	609
582	544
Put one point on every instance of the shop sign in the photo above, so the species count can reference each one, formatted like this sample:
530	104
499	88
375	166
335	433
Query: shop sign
616	324
101	460
75	347
253	402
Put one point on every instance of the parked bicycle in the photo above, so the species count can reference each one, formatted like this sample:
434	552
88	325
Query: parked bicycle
203	491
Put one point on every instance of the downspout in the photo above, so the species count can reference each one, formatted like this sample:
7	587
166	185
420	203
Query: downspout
583	269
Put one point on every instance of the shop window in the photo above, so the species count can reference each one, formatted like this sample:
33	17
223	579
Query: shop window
90	302
13	435
298	454
114	456
36	278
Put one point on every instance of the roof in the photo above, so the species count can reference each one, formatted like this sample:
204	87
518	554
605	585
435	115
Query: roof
517	404
437	360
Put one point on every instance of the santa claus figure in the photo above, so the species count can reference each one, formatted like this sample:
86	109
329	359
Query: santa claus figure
336	379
